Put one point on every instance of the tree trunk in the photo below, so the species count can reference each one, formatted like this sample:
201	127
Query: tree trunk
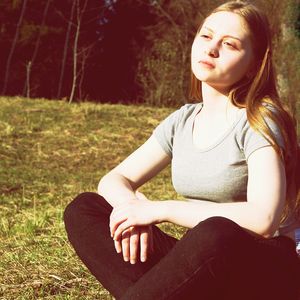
79	14
28	69
12	49
26	88
66	46
85	53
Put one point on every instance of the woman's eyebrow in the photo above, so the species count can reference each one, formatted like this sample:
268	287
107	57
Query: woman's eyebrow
227	35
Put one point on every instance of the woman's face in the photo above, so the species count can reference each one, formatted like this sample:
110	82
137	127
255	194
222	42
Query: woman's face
222	53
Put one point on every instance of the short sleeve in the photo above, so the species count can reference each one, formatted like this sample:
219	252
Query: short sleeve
252	140
166	130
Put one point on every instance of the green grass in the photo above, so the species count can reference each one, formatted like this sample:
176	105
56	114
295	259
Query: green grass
49	152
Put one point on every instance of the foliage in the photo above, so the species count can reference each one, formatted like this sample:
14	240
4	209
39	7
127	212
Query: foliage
157	77
287	55
51	151
164	71
107	44
134	51
51	30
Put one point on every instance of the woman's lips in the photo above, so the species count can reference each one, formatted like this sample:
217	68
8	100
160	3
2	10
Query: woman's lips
207	64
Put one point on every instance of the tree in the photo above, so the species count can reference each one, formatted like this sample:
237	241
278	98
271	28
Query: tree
164	64
65	51
287	55
13	46
83	55
26	89
164	71
79	14
121	51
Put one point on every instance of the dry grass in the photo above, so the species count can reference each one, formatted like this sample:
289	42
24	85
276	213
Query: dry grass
49	152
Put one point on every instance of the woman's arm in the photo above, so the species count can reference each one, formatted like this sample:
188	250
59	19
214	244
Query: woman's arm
265	198
119	187
120	184
260	214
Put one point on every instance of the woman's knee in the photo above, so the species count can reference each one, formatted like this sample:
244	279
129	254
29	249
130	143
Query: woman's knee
85	203
218	223
220	233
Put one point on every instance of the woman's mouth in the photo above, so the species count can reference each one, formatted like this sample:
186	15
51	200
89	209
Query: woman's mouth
207	64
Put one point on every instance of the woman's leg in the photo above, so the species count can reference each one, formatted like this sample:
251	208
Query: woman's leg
217	259
87	224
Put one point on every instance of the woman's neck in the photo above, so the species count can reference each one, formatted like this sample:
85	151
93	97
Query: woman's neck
215	101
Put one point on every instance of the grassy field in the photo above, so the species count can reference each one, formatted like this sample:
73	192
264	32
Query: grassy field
49	152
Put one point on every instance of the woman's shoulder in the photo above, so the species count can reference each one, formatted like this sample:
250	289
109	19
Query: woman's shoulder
172	124
181	114
266	114
252	138
188	108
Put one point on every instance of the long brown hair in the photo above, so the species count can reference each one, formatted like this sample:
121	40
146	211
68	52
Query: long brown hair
256	90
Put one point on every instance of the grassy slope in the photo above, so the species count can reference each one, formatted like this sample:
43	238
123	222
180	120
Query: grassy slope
49	152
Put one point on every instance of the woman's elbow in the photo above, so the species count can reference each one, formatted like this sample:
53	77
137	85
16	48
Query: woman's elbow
102	184
269	225
99	186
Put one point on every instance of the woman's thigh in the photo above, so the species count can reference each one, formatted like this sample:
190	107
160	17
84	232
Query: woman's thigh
266	269
218	259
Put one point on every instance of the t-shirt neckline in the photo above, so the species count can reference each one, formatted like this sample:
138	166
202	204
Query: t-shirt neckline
197	109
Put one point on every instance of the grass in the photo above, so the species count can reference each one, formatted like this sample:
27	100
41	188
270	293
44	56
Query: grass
49	152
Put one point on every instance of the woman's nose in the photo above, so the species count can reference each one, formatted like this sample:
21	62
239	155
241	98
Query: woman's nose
212	50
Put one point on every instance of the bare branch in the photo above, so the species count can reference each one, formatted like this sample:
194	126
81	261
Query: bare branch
80	13
12	49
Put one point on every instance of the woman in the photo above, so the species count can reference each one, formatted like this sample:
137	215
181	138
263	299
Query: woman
233	158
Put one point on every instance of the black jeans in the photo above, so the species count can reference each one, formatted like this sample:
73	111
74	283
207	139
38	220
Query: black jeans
217	259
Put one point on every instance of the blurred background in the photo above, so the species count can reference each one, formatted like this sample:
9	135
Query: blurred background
122	51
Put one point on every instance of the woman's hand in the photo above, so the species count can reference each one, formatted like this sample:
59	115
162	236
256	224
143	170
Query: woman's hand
129	226
135	242
131	213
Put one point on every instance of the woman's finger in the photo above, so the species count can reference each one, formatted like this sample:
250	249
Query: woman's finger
118	246
134	244
117	233
125	245
144	244
114	223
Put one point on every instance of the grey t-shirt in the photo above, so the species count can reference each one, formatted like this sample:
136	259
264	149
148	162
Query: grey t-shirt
218	173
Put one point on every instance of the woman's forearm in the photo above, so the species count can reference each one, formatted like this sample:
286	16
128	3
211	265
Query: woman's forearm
115	189
189	214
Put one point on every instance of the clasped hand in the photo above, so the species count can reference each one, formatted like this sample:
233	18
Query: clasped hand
130	227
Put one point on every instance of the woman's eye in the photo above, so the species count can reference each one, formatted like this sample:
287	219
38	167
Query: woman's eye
205	36
229	44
